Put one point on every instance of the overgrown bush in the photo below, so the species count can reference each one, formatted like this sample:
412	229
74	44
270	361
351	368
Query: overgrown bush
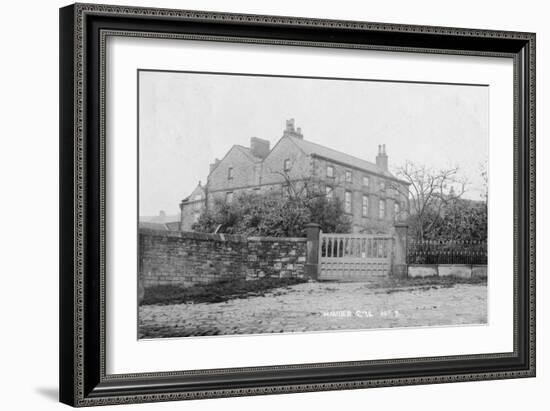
273	214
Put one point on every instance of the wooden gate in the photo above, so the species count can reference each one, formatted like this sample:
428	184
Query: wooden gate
354	257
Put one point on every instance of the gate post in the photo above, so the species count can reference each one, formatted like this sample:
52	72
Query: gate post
313	231
399	263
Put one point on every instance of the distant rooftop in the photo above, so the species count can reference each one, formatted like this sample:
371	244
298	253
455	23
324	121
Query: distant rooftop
153	226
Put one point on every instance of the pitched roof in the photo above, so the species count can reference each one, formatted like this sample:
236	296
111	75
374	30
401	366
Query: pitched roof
199	189
315	149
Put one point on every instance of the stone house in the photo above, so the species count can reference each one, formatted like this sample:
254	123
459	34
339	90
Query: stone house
191	207
372	196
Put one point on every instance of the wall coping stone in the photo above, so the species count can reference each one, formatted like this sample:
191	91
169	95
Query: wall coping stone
217	237
279	239
192	235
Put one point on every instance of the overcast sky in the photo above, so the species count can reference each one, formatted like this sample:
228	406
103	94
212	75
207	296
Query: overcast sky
186	120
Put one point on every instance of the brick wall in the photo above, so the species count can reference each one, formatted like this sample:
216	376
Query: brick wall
189	258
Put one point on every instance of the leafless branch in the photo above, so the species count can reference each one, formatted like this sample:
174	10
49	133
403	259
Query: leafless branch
429	191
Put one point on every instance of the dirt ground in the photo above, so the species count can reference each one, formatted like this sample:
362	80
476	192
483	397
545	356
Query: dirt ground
320	306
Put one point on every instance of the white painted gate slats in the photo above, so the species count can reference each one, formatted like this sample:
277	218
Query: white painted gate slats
354	257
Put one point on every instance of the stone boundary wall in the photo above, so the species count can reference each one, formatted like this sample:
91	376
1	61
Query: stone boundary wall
189	258
447	270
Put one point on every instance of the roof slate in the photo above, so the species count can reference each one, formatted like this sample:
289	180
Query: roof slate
316	149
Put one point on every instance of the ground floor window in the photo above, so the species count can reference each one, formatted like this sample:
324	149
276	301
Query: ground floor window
347	202
382	209
365	208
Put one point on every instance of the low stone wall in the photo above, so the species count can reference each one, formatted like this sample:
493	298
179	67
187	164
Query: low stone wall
275	257
189	258
447	270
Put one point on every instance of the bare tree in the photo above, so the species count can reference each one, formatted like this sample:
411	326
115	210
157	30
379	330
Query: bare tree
299	187
485	179
428	193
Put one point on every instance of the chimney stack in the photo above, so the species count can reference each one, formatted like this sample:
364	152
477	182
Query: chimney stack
259	147
291	131
382	158
290	125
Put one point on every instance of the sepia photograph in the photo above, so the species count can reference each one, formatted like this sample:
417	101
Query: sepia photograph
285	204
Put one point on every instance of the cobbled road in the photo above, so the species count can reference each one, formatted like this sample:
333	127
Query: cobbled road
319	306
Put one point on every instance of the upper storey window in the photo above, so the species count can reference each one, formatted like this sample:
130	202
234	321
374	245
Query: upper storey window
230	173
330	171
286	165
348	176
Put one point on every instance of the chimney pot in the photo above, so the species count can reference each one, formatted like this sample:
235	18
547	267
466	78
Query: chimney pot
291	131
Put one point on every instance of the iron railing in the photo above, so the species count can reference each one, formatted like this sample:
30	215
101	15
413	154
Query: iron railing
447	252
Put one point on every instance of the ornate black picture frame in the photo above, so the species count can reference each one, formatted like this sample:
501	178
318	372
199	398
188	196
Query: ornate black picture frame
83	30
